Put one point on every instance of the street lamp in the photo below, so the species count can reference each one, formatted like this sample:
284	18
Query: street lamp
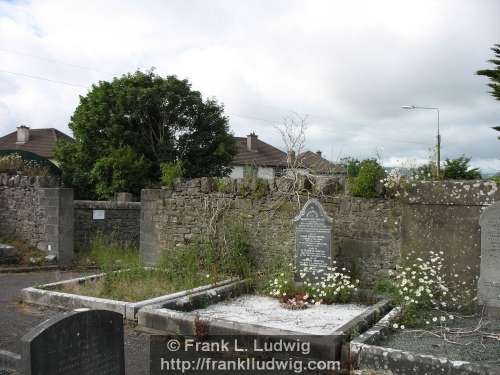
438	146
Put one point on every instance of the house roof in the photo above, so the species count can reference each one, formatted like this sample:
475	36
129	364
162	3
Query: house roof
318	164
262	154
41	141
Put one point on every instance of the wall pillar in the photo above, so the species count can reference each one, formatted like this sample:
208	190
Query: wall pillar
149	237
59	227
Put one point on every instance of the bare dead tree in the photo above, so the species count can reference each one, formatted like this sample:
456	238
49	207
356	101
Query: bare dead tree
293	134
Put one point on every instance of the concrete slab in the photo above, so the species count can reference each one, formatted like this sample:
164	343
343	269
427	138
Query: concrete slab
184	316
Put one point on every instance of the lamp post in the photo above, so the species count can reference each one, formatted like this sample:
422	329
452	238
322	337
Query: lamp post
438	145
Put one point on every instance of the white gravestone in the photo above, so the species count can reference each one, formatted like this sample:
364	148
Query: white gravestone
489	279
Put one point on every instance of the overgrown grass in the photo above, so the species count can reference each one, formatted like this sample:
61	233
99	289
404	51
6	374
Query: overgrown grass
180	268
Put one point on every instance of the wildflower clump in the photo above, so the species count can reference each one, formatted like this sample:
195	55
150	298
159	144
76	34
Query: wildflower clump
333	286
394	182
282	285
425	292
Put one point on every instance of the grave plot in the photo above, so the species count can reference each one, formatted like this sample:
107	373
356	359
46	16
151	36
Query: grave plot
54	295
126	285
459	349
312	299
234	309
439	326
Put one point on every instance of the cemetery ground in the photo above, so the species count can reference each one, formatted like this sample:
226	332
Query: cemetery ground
472	338
435	327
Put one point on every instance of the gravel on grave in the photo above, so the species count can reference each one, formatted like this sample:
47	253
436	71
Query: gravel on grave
468	348
267	312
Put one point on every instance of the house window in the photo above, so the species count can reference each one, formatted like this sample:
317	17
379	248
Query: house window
279	171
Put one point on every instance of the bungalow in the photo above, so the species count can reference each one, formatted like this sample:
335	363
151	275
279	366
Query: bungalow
266	161
254	156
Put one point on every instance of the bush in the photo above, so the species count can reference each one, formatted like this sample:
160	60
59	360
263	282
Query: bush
171	171
369	177
496	179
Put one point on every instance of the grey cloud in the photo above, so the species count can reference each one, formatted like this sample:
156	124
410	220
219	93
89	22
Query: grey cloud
349	65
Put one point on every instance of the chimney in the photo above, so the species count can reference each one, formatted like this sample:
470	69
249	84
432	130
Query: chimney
318	153
252	142
23	135
290	157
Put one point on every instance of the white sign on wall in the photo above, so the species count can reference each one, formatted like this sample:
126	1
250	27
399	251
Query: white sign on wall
98	214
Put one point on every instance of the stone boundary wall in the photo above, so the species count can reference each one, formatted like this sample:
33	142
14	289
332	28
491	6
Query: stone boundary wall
444	216
38	212
366	231
370	235
120	223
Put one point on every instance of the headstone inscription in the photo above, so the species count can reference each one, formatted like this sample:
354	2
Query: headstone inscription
313	242
80	342
489	279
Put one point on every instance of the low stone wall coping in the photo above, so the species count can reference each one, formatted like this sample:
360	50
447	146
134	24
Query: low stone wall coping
28	181
107	205
451	192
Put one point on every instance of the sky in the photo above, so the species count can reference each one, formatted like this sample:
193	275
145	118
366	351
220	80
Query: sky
347	66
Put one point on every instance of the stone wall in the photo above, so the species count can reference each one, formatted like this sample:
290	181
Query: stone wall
370	235
120	222
38	212
444	216
366	231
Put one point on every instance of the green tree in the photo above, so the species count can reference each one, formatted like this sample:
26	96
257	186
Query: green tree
493	74
459	169
162	120
121	170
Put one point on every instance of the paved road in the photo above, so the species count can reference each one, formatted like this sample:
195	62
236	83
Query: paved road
16	319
